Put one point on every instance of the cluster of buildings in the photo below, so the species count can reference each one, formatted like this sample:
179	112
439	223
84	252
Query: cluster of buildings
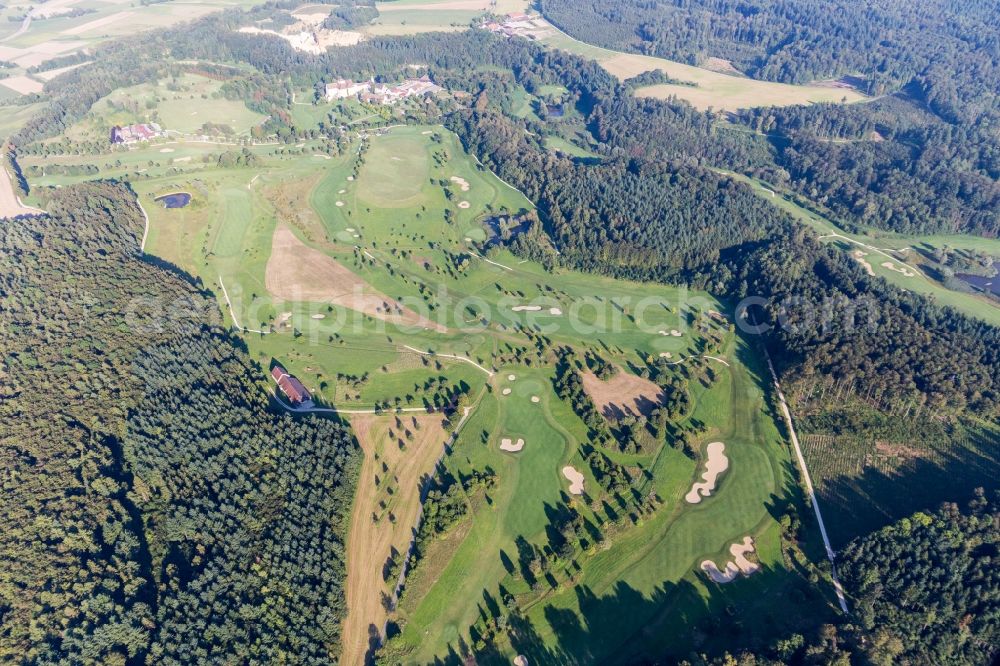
135	133
521	25
292	388
381	93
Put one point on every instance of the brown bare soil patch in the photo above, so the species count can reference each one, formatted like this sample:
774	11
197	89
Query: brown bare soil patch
24	85
622	395
371	542
297	272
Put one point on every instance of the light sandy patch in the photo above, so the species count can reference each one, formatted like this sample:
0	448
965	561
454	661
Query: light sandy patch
297	272
166	150
506	391
674	332
312	18
350	178
370	543
666	355
535	398
10	203
462	183
511	378
716	463
322	156
899	269
53	73
738	565
555	311
282	319
318	316
25	85
426	132
351	229
859	256
464	204
181	159
339	204
526	308
507	444
97	23
623	395
468	5
341	191
327	38
575	479
720	65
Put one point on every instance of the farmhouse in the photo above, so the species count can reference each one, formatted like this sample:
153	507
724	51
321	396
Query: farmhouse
130	134
343	88
520	25
386	94
291	387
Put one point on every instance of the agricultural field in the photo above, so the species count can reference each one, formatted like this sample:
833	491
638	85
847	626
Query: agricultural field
367	270
31	34
713	89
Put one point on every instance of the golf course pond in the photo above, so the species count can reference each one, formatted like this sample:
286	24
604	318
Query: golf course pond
174	199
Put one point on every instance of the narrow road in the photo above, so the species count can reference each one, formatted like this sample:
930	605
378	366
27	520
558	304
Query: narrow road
25	24
808	481
145	231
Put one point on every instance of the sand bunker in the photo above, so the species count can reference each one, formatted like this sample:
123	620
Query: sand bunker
461	182
339	204
299	273
715	465
575	479
426	132
526	308
535	398
555	311
859	256
507	444
622	395
318	316
738	565
350	178
674	332
666	355
899	269
506	391
464	204
166	150
341	191
511	378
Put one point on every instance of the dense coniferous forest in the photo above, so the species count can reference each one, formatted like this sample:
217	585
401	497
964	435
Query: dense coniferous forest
154	508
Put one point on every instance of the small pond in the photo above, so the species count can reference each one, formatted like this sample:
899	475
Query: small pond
987	284
174	200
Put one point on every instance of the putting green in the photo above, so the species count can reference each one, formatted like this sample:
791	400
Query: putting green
395	172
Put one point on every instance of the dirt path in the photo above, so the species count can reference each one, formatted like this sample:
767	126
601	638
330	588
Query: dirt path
808	482
489	373
10	203
370	543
